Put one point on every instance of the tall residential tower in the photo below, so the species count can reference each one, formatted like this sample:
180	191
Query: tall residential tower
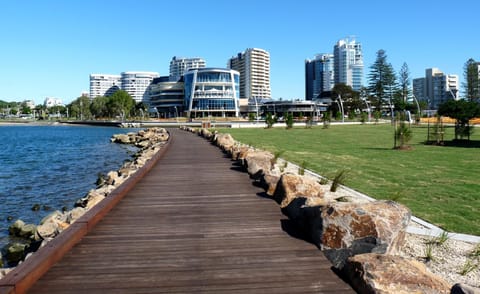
180	65
348	63
319	75
254	67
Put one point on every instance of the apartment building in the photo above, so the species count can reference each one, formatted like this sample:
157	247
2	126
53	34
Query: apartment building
319	75
254	67
436	87
348	63
180	65
136	83
104	84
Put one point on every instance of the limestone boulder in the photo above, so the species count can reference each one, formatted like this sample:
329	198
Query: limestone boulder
461	288
51	225
291	186
121	138
16	252
16	227
239	152
28	231
112	178
379	273
225	141
75	214
93	198
271	179
206	133
258	163
345	229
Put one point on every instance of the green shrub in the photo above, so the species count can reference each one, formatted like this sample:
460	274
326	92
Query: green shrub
289	121
301	168
403	134
338	180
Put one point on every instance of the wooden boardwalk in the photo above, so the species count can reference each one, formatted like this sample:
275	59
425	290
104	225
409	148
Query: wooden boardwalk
194	224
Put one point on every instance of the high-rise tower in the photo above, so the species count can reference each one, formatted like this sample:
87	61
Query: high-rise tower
254	67
180	65
319	75
348	63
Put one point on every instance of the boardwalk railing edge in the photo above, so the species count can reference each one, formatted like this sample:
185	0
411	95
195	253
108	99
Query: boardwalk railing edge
22	278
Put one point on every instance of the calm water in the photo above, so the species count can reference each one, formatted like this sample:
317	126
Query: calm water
52	166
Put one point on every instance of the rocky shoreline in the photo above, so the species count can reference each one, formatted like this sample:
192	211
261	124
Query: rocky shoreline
366	240
32	237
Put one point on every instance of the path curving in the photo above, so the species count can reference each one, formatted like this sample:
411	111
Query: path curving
193	224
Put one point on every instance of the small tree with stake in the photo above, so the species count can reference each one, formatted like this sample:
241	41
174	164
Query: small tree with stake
462	111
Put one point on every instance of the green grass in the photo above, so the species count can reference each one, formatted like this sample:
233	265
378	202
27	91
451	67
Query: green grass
439	184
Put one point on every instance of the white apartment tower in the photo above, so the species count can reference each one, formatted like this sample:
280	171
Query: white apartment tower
254	67
348	63
136	83
180	65
436	87
104	84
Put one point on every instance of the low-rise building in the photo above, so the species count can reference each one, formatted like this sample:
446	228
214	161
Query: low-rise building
212	92
166	97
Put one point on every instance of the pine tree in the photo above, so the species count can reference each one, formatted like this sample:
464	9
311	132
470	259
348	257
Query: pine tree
382	80
404	82
471	85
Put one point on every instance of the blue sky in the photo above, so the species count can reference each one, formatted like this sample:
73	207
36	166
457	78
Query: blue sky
49	47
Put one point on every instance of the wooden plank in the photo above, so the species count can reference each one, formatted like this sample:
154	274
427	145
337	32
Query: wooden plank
193	224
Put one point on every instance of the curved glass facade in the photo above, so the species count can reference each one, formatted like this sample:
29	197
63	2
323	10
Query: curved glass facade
212	92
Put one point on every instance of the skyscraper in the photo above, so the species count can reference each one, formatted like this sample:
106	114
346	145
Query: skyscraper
180	65
254	67
348	63
319	75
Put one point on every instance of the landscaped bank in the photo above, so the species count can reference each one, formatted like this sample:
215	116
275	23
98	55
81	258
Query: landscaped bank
150	141
438	183
364	240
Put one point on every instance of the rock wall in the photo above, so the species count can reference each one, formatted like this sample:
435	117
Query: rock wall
360	239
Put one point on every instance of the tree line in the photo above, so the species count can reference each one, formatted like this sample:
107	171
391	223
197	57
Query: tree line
118	105
391	91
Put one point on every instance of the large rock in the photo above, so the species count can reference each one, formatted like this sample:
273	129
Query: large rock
14	253
121	138
16	227
51	225
344	229
379	273
225	141
28	231
258	163
291	186
206	133
460	288
75	214
239	152
271	179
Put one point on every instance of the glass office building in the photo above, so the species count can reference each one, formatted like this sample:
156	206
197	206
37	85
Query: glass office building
212	92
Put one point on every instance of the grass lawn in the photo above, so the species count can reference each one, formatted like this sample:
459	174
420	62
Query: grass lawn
439	184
